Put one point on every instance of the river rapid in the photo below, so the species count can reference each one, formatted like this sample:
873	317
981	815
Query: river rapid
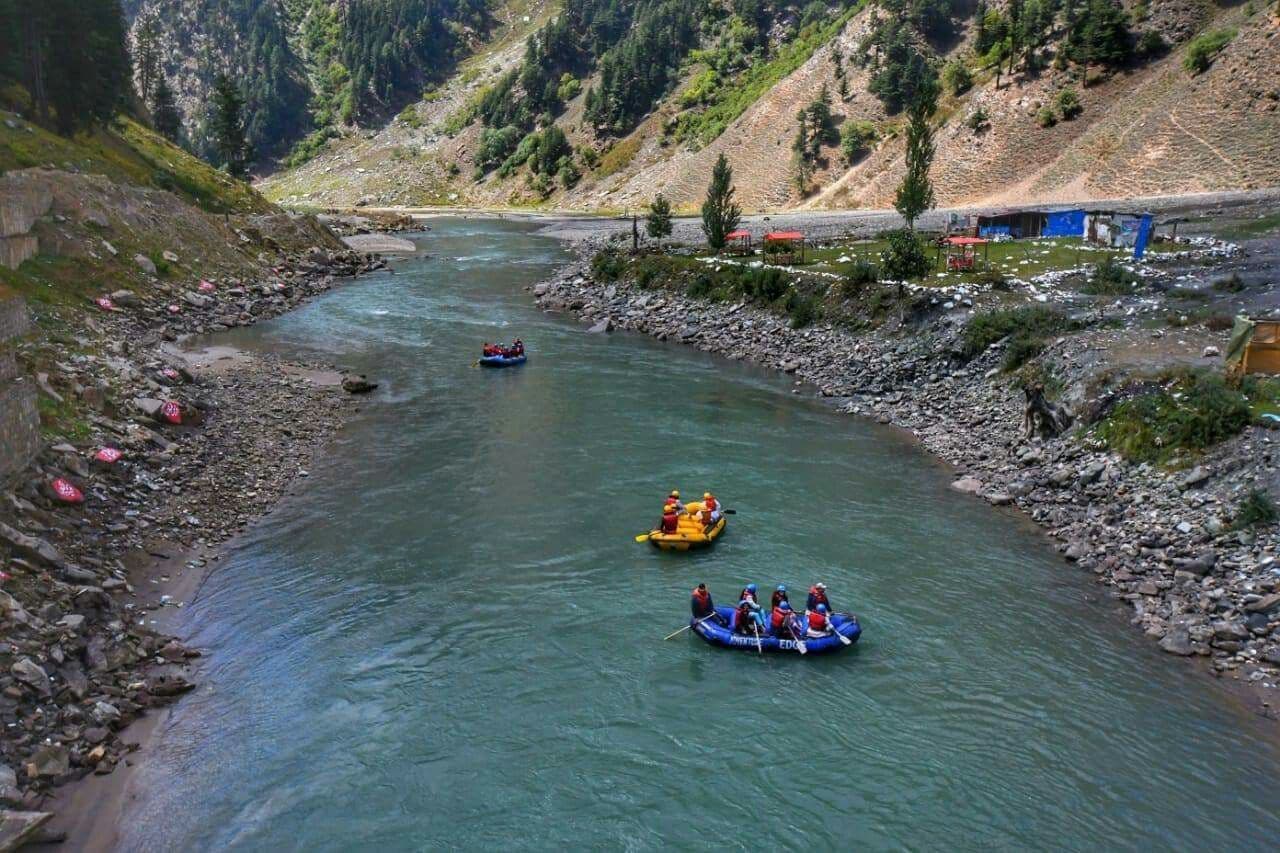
449	638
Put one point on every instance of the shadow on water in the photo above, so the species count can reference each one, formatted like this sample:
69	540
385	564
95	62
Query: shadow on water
452	640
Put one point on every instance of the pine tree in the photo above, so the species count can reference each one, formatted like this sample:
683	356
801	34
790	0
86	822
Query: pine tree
657	224
915	193
146	56
720	215
164	112
802	156
226	127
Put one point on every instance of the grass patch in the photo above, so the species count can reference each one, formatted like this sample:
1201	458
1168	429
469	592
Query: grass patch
1229	284
619	156
61	420
1110	278
1252	228
1026	328
1204	48
1185	415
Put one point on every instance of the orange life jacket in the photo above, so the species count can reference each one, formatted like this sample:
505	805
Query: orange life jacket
670	521
817	621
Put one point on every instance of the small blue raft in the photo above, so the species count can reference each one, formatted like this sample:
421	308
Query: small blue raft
502	360
717	635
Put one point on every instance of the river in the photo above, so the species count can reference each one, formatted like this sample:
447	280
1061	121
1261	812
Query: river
450	638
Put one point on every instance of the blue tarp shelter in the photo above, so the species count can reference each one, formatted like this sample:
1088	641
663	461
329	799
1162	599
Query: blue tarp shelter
1063	223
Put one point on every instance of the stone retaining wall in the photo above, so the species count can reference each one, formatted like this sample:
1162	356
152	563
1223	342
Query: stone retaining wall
19	417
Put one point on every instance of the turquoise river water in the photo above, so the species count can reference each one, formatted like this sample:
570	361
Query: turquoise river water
451	640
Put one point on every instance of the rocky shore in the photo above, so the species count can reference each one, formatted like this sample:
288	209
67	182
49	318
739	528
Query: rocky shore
1157	539
170	452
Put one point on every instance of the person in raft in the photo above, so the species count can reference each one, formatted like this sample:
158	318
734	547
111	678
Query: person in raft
780	620
702	606
819	623
517	348
779	596
817	595
748	619
673	499
749	591
670	519
710	508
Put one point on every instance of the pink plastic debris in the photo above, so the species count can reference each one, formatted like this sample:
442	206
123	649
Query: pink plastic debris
172	412
66	492
109	455
105	303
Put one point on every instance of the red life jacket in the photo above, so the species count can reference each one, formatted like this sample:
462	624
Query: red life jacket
817	621
744	618
704	598
670	522
818	596
712	504
778	618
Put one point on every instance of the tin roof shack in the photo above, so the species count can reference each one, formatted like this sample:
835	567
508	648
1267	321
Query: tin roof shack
1022	224
1254	346
1119	230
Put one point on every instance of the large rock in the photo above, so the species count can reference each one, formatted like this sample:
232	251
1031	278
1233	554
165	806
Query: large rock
1177	642
145	264
1200	566
9	793
31	674
50	761
357	385
1266	604
968	485
32	548
605	325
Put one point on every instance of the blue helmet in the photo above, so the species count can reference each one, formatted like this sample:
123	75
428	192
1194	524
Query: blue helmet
785	606
822	608
782	587
751	587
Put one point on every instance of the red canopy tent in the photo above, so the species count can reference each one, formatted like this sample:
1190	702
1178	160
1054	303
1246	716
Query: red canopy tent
964	261
781	246
740	240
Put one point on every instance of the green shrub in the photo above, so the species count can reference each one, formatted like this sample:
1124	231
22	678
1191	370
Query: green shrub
608	265
905	257
856	138
1032	321
1202	49
1021	349
1152	44
496	145
803	310
858	279
1255	509
978	120
1046	117
1068	103
1110	278
569	87
956	77
766	284
1188	414
701	89
1229	284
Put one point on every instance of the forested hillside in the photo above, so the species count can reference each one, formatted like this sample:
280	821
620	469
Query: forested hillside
305	68
608	102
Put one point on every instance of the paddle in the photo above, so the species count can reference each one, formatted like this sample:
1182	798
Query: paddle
687	627
644	537
756	629
793	623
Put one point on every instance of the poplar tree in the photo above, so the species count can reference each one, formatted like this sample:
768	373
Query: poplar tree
915	193
720	215
146	56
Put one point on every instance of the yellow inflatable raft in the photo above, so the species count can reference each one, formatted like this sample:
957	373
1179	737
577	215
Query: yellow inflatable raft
689	532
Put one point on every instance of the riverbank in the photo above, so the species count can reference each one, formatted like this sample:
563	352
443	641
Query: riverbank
162	453
1160	540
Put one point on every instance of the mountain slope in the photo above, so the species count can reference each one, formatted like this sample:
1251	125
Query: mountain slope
1150	127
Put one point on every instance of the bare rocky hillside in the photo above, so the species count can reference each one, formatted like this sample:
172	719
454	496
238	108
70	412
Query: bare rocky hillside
1152	128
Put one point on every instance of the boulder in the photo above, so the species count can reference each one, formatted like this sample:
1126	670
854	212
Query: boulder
33	675
967	485
50	761
9	793
145	264
1266	604
1177	642
1195	477
32	548
357	385
605	325
1200	566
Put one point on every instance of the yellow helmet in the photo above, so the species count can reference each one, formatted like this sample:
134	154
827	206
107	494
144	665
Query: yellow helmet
675	493
706	496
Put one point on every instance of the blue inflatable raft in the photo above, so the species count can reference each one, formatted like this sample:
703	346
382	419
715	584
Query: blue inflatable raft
502	360
718	635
